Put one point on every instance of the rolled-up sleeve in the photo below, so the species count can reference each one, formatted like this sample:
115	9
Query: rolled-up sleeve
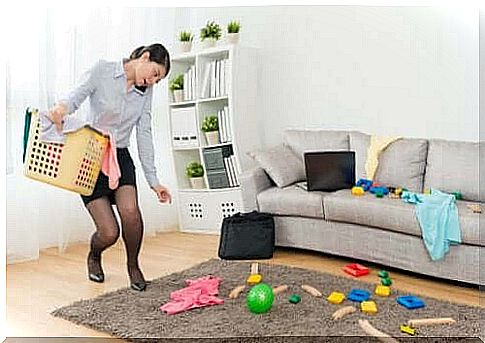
85	87
145	142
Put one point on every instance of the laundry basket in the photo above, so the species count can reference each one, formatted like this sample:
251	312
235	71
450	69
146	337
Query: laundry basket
74	165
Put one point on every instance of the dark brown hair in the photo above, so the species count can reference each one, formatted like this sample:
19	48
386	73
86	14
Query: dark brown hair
158	54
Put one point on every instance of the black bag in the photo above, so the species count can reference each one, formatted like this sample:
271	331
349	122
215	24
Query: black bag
247	236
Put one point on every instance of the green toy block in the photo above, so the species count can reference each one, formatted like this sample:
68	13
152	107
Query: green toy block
386	281
383	274
379	194
295	299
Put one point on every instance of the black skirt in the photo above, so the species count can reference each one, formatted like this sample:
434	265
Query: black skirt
128	177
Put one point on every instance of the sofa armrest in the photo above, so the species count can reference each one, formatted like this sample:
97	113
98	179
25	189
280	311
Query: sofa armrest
253	182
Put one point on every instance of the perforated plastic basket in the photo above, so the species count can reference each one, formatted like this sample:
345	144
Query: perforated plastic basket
74	165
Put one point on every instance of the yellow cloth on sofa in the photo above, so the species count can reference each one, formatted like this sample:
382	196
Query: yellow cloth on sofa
377	145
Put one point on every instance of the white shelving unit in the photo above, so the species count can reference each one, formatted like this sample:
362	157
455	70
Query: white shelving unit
202	210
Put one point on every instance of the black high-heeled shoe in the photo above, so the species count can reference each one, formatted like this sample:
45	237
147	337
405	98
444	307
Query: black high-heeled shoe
96	277
139	286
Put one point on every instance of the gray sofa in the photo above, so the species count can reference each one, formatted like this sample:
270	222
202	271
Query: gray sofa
380	230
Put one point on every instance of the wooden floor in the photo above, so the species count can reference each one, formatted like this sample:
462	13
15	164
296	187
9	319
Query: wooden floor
36	288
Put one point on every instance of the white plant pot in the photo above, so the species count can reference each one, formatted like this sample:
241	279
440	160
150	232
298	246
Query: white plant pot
212	137
185	46
233	38
197	182
209	43
178	95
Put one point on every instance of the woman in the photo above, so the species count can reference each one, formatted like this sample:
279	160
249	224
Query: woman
120	98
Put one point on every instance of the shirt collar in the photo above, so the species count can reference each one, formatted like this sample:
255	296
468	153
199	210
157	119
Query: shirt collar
119	70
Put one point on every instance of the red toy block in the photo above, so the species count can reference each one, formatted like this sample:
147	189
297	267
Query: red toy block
356	269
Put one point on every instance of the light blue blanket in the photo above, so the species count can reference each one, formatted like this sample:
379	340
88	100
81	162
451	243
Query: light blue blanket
438	217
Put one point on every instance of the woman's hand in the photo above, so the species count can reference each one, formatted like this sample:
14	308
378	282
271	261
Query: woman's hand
163	194
56	115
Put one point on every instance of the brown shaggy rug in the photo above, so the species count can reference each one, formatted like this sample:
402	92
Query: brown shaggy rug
137	316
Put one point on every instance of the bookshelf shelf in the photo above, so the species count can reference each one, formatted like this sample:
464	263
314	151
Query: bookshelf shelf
222	83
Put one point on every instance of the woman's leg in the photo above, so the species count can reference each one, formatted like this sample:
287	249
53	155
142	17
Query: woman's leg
107	233
132	231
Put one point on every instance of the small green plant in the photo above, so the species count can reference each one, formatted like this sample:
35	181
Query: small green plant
211	30
233	27
177	82
186	36
194	169
210	123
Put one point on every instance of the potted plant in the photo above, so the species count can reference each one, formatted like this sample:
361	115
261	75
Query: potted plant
176	85
185	41
233	32
195	173
210	126
210	34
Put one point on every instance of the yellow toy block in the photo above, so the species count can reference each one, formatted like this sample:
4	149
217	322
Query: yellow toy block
368	307
336	298
357	190
383	291
254	279
409	330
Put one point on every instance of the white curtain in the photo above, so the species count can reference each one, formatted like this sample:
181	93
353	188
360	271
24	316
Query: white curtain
44	60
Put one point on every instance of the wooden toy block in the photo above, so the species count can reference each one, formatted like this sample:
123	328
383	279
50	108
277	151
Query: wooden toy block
430	321
356	269
383	274
254	279
368	307
312	290
336	298
357	190
358	295
295	299
407	329
254	268
343	312
386	281
410	302
383	291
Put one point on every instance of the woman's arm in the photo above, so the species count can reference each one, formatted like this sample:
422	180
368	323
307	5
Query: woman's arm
73	100
146	152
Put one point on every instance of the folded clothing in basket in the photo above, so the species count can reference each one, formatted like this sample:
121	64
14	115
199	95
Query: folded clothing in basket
50	134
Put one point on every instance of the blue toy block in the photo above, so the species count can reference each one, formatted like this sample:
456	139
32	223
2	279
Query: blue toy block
384	190
364	183
358	295
410	302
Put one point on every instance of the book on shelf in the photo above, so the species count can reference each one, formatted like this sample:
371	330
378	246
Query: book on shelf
215	79
235	166
228	172
228	123
189	83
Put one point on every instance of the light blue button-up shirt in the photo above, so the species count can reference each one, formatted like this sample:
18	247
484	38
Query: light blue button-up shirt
114	109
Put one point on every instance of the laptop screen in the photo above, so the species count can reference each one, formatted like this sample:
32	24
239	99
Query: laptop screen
330	170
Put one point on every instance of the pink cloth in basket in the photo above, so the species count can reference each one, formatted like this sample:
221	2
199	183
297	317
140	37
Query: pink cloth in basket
199	293
110	166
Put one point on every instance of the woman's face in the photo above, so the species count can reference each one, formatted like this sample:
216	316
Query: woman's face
148	73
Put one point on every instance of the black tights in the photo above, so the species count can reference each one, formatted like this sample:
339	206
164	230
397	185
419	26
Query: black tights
108	232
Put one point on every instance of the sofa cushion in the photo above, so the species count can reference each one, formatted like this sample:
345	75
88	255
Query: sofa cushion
392	214
281	164
291	201
316	140
401	164
453	166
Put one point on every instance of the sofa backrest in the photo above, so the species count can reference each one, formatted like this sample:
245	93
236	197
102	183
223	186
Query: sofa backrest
303	140
453	166
401	164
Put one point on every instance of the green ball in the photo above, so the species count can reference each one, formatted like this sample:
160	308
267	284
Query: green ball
260	298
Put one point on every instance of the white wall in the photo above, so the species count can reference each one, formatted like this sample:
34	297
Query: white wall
388	70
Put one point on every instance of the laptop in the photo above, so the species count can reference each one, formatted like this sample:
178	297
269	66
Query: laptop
329	171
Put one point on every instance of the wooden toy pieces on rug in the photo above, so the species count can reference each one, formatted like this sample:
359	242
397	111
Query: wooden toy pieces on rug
254	277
